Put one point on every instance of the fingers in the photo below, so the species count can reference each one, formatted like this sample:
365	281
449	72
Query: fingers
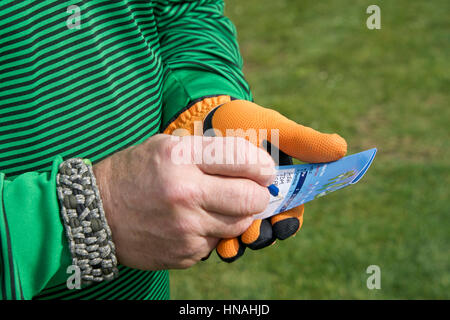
222	226
237	157
210	244
230	247
233	196
230	250
262	233
199	251
309	145
259	235
287	223
298	141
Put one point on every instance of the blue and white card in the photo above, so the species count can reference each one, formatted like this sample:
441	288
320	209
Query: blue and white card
302	183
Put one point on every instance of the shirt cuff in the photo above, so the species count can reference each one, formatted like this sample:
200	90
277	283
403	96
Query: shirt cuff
185	88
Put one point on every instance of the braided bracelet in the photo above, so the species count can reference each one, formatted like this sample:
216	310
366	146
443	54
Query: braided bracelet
89	235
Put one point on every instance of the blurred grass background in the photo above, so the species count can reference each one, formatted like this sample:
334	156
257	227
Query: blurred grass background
317	63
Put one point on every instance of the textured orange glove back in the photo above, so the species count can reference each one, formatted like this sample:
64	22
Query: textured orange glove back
298	141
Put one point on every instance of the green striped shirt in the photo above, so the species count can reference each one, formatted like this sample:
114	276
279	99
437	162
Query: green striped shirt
87	79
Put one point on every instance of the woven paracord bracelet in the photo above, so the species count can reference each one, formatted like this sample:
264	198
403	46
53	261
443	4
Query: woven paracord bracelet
90	240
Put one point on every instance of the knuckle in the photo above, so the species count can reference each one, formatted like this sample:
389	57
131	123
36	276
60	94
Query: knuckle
186	263
241	226
256	199
191	252
181	192
237	228
170	149
167	144
186	226
243	148
173	192
266	167
245	198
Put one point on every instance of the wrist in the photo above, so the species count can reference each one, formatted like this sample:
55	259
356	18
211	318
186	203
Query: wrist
88	232
101	172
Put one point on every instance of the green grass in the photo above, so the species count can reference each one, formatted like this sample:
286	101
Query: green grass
317	63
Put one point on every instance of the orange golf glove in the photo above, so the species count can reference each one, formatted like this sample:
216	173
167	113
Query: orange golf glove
294	140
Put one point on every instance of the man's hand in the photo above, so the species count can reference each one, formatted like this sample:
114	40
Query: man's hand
239	118
164	214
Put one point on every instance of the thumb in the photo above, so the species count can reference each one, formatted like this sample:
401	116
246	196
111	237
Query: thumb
301	142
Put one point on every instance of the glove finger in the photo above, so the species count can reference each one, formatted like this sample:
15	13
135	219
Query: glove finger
230	250
259	235
301	142
287	223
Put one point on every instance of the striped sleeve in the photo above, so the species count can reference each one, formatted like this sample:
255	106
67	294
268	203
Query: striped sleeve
33	247
200	51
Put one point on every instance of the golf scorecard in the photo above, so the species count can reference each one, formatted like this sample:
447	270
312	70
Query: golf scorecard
302	183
